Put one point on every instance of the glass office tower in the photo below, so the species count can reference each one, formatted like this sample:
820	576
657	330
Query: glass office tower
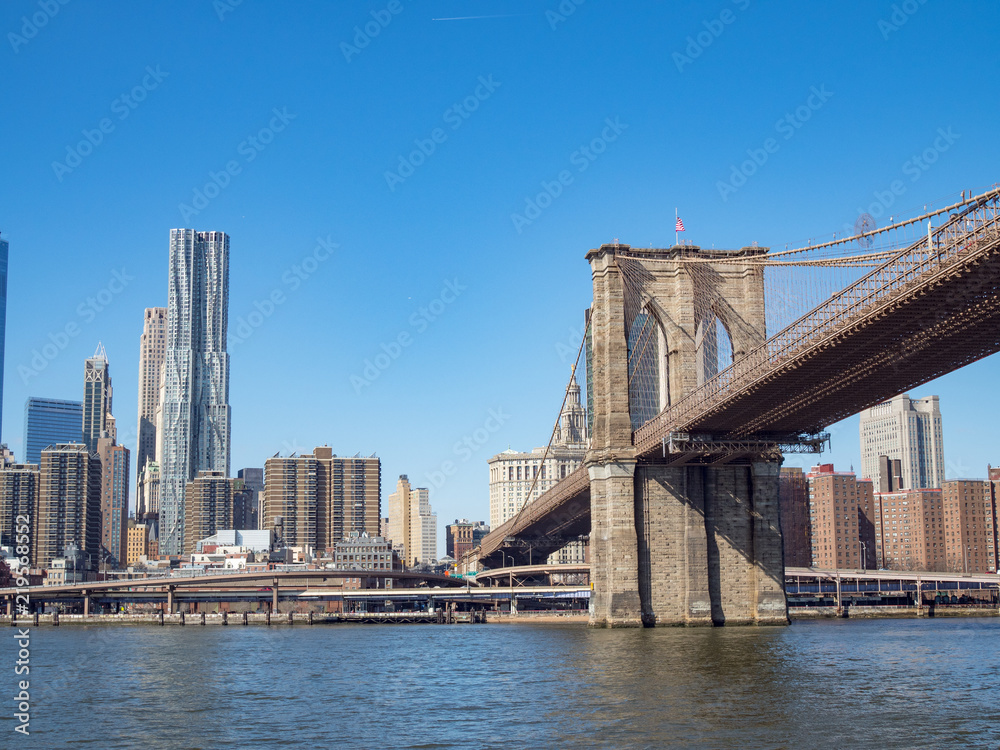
50	421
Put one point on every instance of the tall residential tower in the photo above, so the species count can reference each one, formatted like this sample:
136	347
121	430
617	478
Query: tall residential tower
195	409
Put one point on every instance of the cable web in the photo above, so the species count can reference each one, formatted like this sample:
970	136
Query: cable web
644	340
795	282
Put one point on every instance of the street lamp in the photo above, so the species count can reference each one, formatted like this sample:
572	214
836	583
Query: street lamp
864	555
510	571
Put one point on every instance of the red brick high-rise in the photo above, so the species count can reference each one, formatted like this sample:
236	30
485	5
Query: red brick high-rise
841	533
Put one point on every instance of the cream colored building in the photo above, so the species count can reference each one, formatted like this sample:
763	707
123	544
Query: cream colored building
149	484
412	525
152	350
905	429
517	478
137	545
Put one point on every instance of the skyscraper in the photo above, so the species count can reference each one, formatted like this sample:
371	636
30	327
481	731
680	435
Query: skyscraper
412	526
114	497
908	430
69	505
195	409
840	510
50	421
152	351
321	498
97	399
3	318
18	496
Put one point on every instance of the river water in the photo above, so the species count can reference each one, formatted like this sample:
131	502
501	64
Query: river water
824	684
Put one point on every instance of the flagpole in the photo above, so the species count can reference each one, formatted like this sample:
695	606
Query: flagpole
675	225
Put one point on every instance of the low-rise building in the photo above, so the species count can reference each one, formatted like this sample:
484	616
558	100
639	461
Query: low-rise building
137	545
253	540
363	552
463	536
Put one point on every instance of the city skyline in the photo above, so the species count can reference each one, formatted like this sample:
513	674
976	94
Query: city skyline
356	264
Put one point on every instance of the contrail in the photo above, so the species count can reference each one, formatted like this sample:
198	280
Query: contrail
468	18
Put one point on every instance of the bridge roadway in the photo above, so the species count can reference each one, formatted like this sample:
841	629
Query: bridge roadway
929	310
235	586
297	586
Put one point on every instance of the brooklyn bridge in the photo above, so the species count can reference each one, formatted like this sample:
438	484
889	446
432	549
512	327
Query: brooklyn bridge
693	402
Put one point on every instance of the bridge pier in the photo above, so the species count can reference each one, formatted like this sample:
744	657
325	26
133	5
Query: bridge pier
689	536
614	558
710	545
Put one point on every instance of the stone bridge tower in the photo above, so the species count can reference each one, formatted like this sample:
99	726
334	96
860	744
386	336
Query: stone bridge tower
677	538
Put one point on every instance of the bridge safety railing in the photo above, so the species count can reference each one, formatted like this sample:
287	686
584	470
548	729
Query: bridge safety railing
574	483
963	232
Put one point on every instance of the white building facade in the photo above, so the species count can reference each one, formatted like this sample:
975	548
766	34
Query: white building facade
908	430
152	351
517	478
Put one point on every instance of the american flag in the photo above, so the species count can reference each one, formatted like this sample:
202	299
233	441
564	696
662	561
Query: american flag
679	227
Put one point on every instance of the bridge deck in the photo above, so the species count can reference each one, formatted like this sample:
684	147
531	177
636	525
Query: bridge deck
920	315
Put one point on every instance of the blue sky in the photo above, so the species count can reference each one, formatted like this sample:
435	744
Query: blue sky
292	129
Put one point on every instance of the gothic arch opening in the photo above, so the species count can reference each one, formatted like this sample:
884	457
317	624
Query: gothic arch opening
713	347
648	374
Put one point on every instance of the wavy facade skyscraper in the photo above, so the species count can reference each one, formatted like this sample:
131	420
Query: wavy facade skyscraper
196	413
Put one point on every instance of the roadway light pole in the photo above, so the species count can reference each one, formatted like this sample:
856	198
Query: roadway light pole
510	571
864	555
